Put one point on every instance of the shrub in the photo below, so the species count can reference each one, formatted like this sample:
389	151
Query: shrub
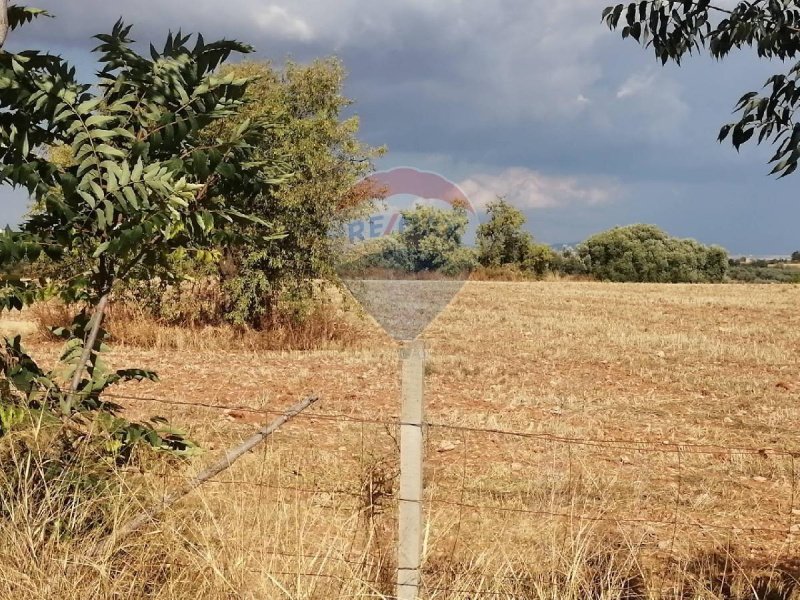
504	273
460	263
538	258
753	274
644	253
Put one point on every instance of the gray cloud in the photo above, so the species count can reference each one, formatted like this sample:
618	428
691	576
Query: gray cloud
516	96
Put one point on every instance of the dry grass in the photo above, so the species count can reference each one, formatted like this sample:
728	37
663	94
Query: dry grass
326	326
506	273
310	515
46	316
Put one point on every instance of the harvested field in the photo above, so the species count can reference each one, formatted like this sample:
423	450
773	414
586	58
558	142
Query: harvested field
661	426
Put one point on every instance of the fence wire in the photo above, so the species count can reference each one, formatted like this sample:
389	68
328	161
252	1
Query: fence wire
466	498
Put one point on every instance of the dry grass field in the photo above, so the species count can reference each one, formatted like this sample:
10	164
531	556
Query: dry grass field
661	426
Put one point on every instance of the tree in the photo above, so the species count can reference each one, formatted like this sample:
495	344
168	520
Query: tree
644	253
796	256
142	183
320	148
502	241
569	262
674	28
432	237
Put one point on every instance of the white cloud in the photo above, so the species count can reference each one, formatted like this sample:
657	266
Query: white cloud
526	189
277	20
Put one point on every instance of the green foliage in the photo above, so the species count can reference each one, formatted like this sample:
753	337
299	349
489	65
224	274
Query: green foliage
460	262
430	241
319	146
385	253
762	272
430	236
674	28
503	241
796	256
30	395
142	182
570	262
140	185
644	253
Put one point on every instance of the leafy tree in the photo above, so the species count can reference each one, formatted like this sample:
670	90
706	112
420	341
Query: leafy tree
432	236
374	254
141	183
320	148
644	253
674	28
796	256
569	262
502	241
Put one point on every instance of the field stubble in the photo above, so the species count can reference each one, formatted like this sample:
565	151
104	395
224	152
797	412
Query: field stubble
688	396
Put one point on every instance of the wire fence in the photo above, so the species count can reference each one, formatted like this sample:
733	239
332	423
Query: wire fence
492	487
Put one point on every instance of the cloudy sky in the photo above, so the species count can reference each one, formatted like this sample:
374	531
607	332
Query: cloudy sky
534	100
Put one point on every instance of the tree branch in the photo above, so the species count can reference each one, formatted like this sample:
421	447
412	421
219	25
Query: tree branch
3	21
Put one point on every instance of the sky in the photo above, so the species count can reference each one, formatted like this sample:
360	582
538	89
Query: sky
533	100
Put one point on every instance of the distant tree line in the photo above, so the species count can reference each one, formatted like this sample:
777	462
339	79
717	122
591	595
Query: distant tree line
431	241
765	271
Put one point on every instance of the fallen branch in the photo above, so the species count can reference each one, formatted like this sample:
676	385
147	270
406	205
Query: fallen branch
231	456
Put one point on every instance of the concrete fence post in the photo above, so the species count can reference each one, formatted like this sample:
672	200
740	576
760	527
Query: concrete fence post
409	549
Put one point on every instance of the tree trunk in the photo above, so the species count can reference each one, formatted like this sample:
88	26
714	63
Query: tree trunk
3	21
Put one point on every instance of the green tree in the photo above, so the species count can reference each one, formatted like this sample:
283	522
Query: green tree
502	241
569	262
674	28
644	253
142	183
796	256
432	238
319	146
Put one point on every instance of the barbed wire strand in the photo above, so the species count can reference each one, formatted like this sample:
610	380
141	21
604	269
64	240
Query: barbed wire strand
632	445
596	518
